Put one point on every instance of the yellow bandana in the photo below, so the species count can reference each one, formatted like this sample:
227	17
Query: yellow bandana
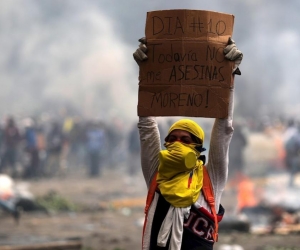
180	174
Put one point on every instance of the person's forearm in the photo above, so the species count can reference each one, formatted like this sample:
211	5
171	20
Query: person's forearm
150	146
218	152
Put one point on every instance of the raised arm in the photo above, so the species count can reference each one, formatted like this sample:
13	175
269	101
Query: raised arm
148	129
217	165
222	133
150	146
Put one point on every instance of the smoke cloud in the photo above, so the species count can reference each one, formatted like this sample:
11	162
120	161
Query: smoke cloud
77	55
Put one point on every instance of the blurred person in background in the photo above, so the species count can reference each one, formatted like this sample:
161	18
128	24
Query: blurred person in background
55	142
95	141
292	151
236	152
77	140
134	151
1	141
11	141
176	201
41	147
115	141
290	131
32	167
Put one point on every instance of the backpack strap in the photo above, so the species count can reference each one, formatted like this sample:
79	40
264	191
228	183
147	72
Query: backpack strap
208	194
150	196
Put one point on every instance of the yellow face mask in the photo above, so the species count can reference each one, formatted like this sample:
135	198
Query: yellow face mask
180	174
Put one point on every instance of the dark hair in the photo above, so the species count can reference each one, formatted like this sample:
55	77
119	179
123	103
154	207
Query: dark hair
196	139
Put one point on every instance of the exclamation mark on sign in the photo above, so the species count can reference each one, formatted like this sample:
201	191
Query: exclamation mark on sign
206	99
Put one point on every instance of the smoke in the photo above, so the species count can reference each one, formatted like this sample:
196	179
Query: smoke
269	81
58	53
77	55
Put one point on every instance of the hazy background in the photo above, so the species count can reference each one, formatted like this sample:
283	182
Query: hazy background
76	56
73	58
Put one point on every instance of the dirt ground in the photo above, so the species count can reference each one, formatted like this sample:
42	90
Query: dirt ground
111	218
111	215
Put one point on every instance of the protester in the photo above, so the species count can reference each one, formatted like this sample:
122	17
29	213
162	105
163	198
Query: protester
32	165
292	152
76	139
11	142
95	144
236	152
1	142
55	143
134	151
41	147
174	212
290	130
115	141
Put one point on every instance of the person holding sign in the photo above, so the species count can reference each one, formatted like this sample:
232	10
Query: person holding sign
183	204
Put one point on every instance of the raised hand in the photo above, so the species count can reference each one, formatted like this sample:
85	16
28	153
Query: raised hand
140	54
233	54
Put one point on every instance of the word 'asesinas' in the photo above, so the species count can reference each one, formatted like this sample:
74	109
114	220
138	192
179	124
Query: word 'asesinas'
188	73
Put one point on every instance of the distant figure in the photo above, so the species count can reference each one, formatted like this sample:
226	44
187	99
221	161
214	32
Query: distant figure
236	150
55	141
41	147
1	140
32	166
292	156
134	151
11	142
290	131
94	143
77	145
115	141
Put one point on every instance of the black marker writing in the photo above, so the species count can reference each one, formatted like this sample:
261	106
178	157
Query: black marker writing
196	72
173	100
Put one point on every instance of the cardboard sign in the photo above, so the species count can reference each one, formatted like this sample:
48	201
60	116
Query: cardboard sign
186	73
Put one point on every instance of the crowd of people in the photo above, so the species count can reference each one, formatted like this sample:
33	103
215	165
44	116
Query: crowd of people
31	148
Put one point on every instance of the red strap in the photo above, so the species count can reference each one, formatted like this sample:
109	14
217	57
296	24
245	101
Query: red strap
149	200
209	196
151	193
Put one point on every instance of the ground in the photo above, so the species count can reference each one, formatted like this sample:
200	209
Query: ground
109	216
